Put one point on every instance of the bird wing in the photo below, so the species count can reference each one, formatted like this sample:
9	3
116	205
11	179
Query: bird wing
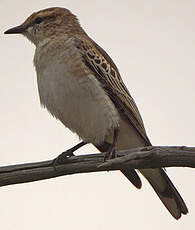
104	69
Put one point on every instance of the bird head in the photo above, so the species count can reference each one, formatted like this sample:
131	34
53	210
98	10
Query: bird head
47	24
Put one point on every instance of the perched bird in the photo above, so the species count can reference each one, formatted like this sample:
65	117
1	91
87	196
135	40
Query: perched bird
80	85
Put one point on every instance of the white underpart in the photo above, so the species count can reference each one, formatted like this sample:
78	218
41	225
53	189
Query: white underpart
79	103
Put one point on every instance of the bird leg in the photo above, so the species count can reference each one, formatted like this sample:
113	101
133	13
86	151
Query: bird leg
68	153
112	149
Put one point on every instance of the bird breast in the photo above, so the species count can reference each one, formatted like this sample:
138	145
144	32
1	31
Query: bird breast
80	103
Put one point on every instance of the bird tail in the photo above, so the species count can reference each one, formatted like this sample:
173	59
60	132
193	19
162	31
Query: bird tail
166	191
161	184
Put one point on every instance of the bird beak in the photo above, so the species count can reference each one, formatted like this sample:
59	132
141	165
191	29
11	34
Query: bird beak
16	30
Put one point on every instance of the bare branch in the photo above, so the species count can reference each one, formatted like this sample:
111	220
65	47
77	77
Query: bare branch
145	157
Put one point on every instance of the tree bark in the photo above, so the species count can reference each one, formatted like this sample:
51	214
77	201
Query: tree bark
145	157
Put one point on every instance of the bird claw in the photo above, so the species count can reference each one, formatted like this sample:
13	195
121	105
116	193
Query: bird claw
62	158
110	154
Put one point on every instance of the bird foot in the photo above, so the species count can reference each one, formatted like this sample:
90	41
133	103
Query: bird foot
111	154
62	158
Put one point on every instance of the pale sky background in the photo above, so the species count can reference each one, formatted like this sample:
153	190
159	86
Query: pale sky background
152	43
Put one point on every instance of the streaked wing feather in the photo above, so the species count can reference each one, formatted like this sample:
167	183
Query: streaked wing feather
107	73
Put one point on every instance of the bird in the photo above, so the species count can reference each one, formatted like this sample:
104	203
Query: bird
80	85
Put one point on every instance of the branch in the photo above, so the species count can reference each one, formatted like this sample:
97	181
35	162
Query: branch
144	157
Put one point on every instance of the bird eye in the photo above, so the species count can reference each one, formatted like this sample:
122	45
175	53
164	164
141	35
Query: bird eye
38	20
